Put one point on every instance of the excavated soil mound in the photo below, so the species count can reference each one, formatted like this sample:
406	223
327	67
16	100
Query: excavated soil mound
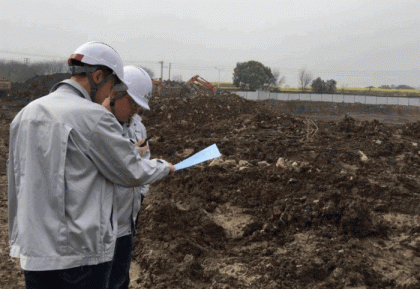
294	202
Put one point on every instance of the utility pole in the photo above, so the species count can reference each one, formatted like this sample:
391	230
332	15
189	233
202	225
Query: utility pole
169	71
161	70
218	83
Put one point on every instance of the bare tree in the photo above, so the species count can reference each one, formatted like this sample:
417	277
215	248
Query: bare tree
281	81
17	71
304	79
277	80
49	67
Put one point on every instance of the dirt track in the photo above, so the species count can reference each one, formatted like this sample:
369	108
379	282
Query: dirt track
339	210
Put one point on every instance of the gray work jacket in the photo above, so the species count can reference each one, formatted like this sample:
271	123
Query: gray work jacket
65	155
129	199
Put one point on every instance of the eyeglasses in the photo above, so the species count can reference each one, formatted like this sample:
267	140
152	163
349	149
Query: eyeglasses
120	89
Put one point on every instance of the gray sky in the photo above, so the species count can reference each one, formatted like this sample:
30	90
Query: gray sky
357	43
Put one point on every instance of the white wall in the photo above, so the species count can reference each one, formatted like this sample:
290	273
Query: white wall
264	95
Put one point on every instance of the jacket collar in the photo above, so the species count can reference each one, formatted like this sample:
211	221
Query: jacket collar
74	85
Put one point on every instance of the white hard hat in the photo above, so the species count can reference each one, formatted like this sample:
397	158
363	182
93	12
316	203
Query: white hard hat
139	85
98	53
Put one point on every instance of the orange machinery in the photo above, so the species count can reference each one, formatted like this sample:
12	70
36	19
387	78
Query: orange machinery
203	82
5	87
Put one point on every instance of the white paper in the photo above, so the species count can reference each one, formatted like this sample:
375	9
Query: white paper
206	154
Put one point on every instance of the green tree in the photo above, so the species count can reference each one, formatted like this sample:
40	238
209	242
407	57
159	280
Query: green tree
330	86
403	86
252	75
320	86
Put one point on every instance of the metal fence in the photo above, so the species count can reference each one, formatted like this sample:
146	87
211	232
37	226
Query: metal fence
339	98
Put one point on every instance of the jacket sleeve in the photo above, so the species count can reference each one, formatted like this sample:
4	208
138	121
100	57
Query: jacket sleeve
12	201
142	190
118	160
138	131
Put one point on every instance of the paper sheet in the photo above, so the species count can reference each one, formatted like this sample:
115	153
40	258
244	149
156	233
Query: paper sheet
206	154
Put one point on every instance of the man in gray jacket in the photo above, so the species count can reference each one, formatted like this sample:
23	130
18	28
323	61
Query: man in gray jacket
126	107
66	152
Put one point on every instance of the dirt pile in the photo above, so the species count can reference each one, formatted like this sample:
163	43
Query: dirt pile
35	87
294	202
170	88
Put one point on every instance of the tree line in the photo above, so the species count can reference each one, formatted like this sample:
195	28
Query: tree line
254	75
249	75
392	86
17	71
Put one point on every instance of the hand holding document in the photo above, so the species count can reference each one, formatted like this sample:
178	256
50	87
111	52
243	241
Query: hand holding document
206	154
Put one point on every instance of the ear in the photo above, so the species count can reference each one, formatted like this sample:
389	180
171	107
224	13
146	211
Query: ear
98	76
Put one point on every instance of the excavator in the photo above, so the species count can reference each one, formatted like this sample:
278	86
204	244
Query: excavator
187	88
5	87
203	82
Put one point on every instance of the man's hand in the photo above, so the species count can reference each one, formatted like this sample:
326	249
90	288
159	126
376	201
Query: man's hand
172	170
142	149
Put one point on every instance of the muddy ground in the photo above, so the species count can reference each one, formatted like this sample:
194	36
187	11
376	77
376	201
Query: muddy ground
306	195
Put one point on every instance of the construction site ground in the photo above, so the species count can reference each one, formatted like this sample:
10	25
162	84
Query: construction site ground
305	195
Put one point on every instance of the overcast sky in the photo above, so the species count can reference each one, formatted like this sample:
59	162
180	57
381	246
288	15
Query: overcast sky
357	43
